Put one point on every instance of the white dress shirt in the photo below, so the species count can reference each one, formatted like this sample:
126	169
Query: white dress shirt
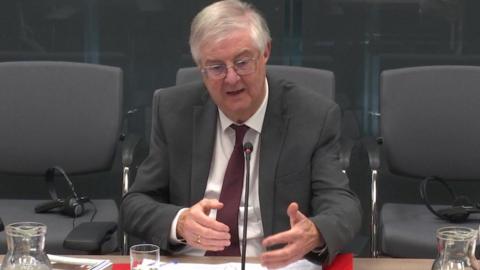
224	143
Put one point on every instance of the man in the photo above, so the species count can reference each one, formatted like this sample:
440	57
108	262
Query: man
300	204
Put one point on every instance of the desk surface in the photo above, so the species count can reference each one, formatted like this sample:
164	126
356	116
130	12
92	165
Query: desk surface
359	263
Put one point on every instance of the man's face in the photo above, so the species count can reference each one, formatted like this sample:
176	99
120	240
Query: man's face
238	96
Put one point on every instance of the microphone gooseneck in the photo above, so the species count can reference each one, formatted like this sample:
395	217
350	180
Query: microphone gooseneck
247	150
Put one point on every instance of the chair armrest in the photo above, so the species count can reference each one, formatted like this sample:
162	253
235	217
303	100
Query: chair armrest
131	146
372	146
346	147
90	236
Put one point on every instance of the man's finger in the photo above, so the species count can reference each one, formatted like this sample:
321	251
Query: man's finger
207	246
212	224
280	257
207	233
211	243
279	238
196	221
213	234
210	204
294	214
200	213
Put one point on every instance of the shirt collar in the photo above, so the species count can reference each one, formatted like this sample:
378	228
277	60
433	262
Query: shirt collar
255	122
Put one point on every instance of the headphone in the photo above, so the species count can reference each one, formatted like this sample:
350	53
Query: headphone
72	206
462	205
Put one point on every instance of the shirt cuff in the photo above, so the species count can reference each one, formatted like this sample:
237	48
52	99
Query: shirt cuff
173	229
318	255
320	250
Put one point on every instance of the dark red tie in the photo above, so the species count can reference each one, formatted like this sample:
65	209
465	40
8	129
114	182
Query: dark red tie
231	194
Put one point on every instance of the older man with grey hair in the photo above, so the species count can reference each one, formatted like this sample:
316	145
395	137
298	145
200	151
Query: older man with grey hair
187	196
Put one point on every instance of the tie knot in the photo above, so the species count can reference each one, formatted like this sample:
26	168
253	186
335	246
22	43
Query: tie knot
240	131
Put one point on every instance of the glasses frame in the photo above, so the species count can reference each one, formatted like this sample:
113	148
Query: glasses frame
208	70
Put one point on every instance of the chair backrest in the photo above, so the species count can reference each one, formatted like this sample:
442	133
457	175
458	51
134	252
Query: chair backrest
430	121
319	80
58	113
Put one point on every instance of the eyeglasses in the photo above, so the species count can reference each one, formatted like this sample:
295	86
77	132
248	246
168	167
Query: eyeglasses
242	67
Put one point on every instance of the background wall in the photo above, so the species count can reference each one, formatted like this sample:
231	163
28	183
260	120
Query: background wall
148	39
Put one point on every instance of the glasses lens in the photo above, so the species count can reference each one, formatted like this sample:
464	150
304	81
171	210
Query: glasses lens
216	71
245	66
241	67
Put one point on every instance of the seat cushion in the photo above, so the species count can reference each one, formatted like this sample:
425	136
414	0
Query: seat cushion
58	225
408	230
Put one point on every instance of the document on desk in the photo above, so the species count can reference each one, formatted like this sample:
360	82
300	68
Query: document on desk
299	265
73	263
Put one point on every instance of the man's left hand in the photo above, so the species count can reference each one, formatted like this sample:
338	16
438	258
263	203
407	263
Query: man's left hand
302	238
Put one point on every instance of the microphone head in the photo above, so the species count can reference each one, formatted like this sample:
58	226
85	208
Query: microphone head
248	147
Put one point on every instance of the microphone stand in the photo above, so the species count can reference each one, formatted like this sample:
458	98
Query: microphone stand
247	149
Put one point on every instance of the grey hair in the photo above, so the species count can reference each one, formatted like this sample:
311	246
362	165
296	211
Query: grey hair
219	19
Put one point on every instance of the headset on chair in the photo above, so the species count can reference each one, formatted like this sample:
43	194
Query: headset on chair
462	205
73	206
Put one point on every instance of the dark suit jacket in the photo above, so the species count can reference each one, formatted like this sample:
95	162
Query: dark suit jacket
298	162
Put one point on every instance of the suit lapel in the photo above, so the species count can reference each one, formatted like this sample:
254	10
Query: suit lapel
204	130
271	141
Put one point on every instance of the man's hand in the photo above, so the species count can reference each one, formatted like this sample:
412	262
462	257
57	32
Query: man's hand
199	230
302	238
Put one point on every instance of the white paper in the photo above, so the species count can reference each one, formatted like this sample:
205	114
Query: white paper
94	264
299	265
73	260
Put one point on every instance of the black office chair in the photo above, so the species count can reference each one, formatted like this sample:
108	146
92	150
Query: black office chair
319	80
60	114
429	127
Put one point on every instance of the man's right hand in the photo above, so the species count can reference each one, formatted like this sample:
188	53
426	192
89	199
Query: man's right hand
201	231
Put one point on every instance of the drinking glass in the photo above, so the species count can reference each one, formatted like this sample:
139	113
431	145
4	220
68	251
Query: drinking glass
144	257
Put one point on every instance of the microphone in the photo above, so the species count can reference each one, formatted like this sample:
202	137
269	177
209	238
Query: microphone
247	150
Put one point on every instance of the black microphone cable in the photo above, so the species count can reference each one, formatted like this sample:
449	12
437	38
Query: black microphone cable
247	149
